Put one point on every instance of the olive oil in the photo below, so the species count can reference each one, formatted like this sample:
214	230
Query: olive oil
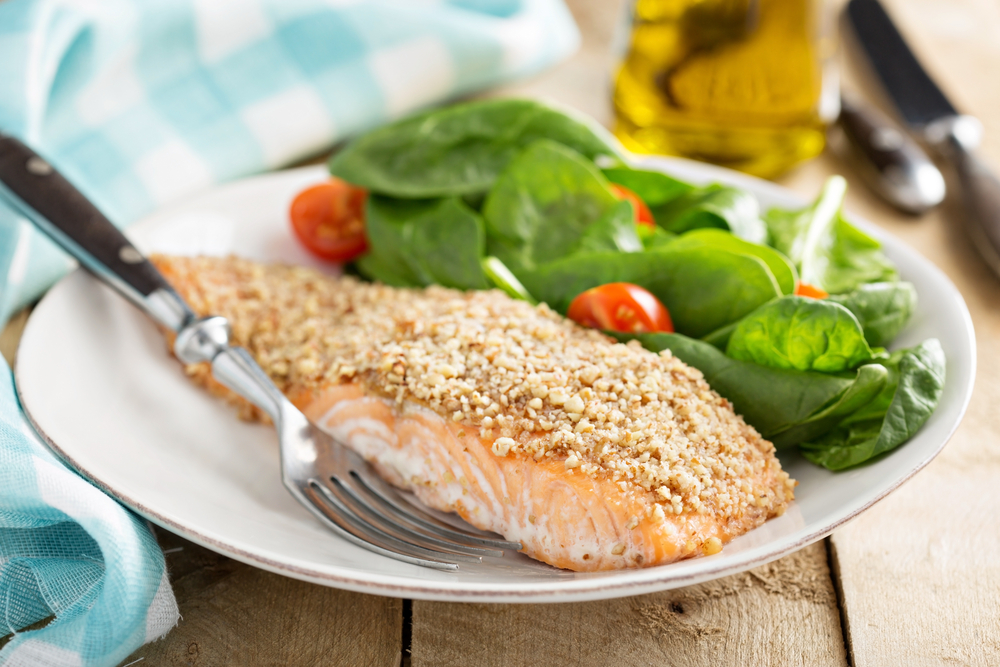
747	84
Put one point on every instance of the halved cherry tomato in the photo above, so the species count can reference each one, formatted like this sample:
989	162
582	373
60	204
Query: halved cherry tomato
329	219
643	216
620	307
805	289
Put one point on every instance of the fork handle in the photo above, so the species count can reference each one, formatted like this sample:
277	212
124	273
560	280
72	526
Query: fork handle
33	188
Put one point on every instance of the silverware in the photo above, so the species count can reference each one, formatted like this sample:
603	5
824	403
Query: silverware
891	163
331	481
930	115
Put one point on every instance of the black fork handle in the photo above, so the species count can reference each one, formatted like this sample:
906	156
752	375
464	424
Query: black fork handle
30	185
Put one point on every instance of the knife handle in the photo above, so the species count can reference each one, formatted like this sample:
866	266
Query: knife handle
981	197
957	137
32	187
896	168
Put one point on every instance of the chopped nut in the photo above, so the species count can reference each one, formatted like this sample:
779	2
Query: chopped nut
502	446
713	545
574	404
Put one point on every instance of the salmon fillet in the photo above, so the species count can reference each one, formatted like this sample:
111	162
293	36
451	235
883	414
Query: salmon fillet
595	455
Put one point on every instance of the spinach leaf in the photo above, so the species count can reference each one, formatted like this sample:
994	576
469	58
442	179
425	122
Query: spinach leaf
801	333
915	385
460	149
869	382
654	237
375	266
615	230
504	280
424	242
652	187
543	203
719	206
798	234
720	337
829	252
883	309
780	265
851	259
703	288
772	400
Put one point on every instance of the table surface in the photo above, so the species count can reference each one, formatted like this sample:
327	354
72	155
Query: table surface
914	581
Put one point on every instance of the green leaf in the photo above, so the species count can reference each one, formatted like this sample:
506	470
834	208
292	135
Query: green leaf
719	206
828	252
772	400
503	279
615	230
424	242
852	259
652	187
780	265
915	385
720	337
867	385
654	237
543	204
703	288
801	333
883	309
460	149
378	267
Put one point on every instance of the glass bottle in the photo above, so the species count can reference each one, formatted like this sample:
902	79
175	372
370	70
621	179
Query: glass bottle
747	84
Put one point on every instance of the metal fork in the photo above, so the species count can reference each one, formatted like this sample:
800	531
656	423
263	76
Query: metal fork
330	480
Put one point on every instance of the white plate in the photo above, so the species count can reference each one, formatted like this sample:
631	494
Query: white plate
96	380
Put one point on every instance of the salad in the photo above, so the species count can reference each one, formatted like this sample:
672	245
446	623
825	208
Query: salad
787	313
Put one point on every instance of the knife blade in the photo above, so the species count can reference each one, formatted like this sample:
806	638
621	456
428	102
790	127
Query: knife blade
930	115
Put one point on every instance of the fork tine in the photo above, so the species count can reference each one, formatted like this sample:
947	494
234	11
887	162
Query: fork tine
410	530
357	532
334	495
387	497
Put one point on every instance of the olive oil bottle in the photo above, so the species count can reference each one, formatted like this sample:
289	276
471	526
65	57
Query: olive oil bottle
748	84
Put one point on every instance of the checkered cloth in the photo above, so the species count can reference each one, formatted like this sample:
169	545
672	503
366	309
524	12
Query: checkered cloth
140	102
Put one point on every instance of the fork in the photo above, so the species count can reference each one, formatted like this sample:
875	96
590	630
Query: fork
335	484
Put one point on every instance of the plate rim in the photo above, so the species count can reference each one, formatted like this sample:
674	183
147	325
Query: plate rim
643	580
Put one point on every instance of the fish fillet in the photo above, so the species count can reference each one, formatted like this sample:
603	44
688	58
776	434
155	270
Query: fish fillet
595	455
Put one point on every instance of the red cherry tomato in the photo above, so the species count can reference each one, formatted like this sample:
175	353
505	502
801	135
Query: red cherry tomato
643	216
620	307
805	289
329	219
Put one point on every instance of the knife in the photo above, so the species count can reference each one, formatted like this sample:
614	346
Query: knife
930	115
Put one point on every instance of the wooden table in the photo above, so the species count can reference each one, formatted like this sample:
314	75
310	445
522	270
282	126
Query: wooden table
914	581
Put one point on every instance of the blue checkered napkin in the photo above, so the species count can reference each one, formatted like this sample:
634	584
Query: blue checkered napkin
140	102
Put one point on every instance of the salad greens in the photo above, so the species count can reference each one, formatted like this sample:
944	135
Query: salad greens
703	288
425	242
459	150
801	333
551	201
519	196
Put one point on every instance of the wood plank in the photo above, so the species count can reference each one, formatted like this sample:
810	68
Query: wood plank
783	613
919	572
10	336
234	614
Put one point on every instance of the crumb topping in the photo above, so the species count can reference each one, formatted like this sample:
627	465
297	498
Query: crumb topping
532	382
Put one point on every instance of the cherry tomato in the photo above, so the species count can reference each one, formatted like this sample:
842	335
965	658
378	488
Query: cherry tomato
805	289
329	219
620	307
643	216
